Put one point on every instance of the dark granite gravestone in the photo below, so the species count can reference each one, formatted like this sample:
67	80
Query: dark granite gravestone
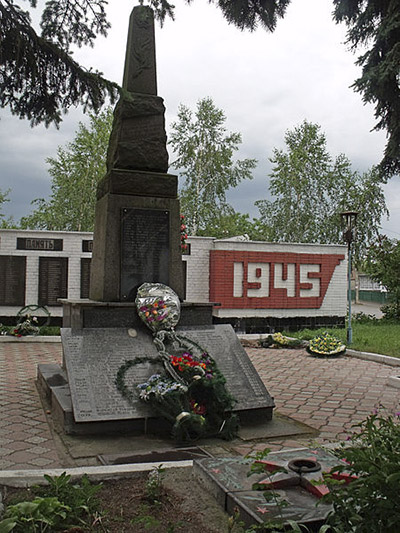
136	240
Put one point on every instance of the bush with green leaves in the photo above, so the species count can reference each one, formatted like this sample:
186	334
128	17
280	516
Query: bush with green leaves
369	503
57	506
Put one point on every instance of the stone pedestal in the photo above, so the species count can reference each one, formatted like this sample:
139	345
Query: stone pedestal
137	235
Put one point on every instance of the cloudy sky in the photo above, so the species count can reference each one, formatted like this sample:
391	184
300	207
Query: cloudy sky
266	83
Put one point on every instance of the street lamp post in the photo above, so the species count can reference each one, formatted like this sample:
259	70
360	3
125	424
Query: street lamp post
350	218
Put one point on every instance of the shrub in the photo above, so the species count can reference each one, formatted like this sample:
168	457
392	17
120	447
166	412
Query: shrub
369	503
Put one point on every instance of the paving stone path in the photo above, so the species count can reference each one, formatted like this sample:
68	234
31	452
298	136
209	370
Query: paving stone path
26	441
327	394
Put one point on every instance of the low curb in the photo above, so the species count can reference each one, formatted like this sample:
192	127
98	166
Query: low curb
385	359
26	478
367	356
33	338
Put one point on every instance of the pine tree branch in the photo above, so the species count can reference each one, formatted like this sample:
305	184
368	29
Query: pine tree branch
39	80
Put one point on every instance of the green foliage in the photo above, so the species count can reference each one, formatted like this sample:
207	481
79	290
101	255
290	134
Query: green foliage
204	157
391	311
75	173
39	515
374	27
153	489
39	79
5	223
228	224
369	503
80	497
310	189
381	337
383	265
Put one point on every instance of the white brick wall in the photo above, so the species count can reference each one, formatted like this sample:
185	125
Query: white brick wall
72	248
335	301
198	270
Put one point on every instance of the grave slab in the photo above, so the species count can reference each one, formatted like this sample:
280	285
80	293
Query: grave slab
228	481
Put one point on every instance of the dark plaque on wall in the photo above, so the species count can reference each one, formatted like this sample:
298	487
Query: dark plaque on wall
46	245
87	245
12	276
144	249
85	276
53	279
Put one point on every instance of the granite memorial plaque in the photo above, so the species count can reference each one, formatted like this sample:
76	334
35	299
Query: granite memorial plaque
85	276
144	249
242	379
13	276
53	279
94	356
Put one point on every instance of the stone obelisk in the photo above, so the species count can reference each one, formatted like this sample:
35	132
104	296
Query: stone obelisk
137	225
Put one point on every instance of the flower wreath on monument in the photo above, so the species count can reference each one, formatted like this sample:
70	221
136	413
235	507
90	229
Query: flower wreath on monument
191	392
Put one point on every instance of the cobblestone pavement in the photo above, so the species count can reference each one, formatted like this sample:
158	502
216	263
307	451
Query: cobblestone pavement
327	394
26	441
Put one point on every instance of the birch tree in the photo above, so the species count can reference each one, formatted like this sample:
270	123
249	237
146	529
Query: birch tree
204	156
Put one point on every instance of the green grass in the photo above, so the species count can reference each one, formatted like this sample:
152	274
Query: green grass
379	336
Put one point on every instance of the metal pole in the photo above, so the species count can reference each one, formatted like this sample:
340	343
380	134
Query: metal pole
349	330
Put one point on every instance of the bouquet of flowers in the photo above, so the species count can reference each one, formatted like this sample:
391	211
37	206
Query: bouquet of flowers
207	392
326	345
158	306
191	368
27	326
183	235
171	401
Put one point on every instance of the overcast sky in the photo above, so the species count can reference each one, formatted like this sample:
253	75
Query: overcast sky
266	83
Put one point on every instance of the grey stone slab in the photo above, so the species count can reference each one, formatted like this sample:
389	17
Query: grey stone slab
93	357
227	480
130	182
242	379
144	249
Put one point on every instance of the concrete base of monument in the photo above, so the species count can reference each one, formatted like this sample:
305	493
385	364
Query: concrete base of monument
86	313
85	397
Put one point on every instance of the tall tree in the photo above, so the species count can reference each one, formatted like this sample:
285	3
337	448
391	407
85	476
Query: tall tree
75	172
383	265
310	189
374	27
5	223
204	157
228	224
39	79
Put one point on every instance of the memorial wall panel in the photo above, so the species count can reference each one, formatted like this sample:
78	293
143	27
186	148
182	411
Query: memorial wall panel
53	280
13	280
85	276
